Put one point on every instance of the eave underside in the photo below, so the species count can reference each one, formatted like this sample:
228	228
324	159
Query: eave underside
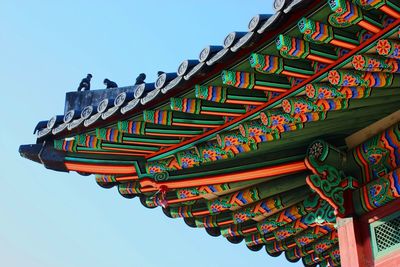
237	168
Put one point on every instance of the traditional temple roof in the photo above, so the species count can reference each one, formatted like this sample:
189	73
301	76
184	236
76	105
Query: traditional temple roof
221	142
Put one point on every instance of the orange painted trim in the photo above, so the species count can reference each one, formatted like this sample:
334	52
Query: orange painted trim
320	59
271	89
178	200
100	169
143	152
250	230
110	153
364	166
282	96
127	178
225	223
220	113
294	74
343	44
261	173
201	213
148	190
146	144
369	27
171	135
244	102
195	125
391	12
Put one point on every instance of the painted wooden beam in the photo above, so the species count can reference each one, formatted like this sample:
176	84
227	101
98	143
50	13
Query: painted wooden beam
204	107
231	95
389	7
269	64
175	118
273	222
317	91
243	197
256	211
360	78
363	135
370	63
151	129
346	13
301	239
256	81
268	172
388	48
319	33
295	89
100	169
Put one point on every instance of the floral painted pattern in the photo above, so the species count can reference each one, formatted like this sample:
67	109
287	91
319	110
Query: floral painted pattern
388	48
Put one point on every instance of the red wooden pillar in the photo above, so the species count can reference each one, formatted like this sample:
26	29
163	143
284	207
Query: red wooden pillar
392	259
355	249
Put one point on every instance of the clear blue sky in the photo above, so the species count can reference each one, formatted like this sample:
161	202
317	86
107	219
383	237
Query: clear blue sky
52	219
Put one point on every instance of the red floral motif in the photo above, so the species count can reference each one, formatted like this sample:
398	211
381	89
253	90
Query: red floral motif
334	77
188	162
304	241
184	193
383	47
242	130
231	141
286	106
154	169
310	91
266	228
301	108
358	62
349	80
215	208
278	120
209	154
240	217
283	235
321	247
255	132
373	64
336	254
324	93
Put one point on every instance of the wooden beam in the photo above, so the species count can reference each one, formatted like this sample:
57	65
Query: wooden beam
364	134
269	172
274	101
350	243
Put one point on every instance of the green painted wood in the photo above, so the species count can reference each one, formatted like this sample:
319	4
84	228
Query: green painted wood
99	161
250	194
250	212
105	145
147	139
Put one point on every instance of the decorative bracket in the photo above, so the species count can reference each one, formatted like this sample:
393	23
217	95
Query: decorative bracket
327	180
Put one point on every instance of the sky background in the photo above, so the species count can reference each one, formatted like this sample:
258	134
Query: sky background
46	47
